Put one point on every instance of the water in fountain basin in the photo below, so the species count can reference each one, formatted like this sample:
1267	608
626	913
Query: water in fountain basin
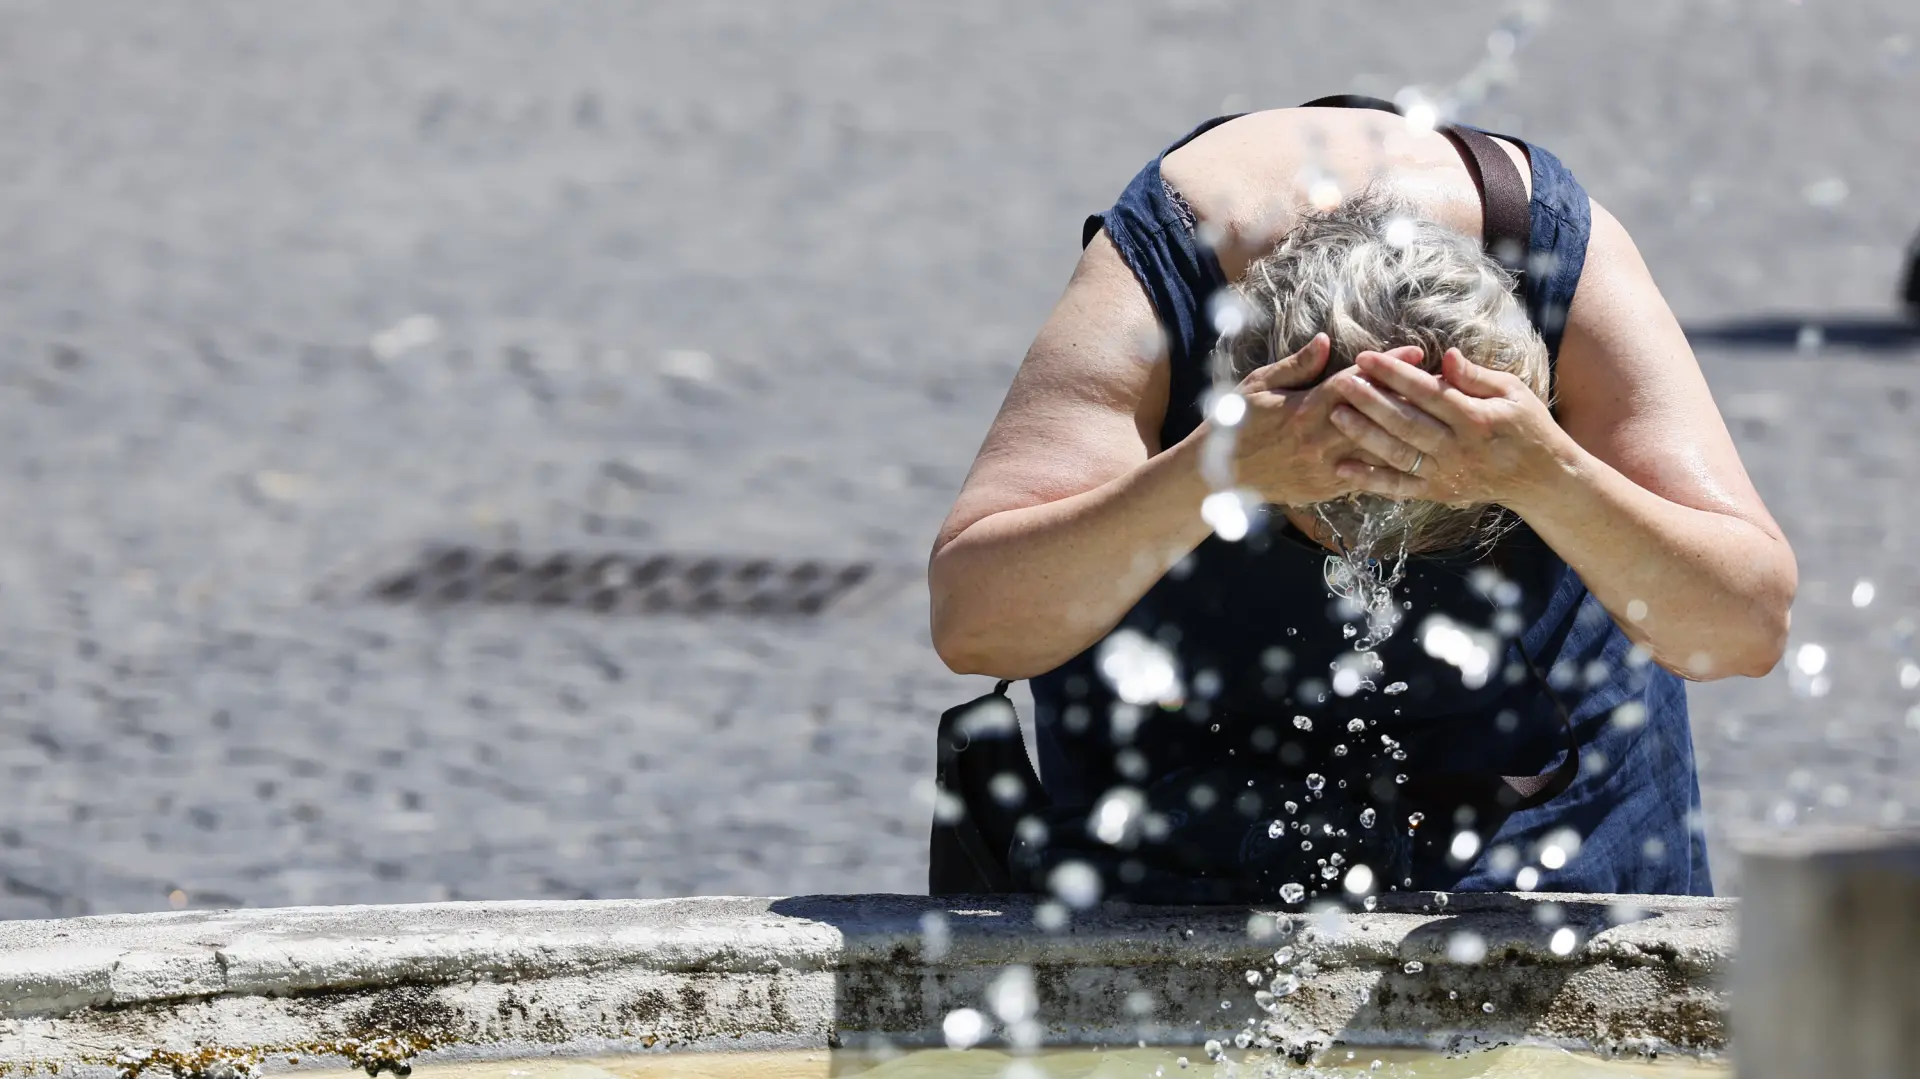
1509	1062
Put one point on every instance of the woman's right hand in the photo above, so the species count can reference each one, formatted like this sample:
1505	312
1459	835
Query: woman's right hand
1285	446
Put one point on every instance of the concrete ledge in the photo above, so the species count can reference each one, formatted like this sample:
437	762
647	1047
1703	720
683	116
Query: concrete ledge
207	993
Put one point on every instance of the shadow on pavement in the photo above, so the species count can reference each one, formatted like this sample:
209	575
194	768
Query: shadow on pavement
1810	333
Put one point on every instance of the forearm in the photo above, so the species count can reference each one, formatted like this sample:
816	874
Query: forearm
1019	592
1707	594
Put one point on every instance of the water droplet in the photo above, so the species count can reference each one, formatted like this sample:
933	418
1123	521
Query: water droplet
1370	902
1291	806
1291	892
1355	726
1139	669
1359	880
1228	311
1862	592
1367	817
1349	631
1303	723
1414	966
1487	1007
1076	883
1253	977
1466	947
963	1028
1316	781
1563	941
1275	829
1226	513
1306	844
1414	819
1400	778
1012	996
1340	750
1810	659
1214	1051
1826	193
1228	409
1394	689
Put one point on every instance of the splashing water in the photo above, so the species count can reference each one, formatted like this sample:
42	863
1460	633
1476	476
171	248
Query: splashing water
1370	535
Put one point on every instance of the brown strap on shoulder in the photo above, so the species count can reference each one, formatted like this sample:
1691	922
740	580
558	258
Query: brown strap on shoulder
1506	222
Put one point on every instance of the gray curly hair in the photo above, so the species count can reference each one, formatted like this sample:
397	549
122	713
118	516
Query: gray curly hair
1374	276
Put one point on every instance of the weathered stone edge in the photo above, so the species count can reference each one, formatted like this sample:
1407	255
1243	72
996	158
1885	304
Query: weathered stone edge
810	970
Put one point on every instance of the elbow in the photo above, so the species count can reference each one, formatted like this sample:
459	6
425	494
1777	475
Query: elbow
1755	657
961	638
959	651
1772	618
1770	647
1753	648
972	636
966	651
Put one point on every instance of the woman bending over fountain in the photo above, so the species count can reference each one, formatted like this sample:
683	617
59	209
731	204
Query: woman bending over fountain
1301	490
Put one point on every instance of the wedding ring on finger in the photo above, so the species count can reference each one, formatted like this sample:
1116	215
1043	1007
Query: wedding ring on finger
1418	459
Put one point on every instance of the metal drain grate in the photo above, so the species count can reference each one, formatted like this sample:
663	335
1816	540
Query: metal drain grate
623	584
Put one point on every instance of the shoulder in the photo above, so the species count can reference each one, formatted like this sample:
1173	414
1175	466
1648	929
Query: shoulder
1248	180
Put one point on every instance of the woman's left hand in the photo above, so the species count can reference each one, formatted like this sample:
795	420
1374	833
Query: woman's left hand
1465	435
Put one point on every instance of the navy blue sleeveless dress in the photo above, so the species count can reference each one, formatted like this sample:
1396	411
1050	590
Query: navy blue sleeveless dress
1258	633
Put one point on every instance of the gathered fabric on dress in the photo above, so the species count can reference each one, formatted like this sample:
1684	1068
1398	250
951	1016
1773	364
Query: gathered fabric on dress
1258	635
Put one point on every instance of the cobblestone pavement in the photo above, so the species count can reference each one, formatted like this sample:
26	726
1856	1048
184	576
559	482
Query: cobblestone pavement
747	278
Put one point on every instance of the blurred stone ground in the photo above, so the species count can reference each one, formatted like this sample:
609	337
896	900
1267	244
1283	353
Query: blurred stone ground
748	278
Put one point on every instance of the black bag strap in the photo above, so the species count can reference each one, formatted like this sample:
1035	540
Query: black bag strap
1506	218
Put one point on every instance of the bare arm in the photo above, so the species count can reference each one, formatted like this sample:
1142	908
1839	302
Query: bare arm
1061	526
1071	513
1656	507
1638	487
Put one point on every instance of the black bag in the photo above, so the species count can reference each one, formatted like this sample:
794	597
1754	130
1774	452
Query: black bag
976	812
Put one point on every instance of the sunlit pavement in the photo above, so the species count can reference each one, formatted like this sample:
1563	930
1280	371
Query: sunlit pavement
750	278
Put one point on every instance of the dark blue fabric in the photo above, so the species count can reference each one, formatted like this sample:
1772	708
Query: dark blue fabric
1257	632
